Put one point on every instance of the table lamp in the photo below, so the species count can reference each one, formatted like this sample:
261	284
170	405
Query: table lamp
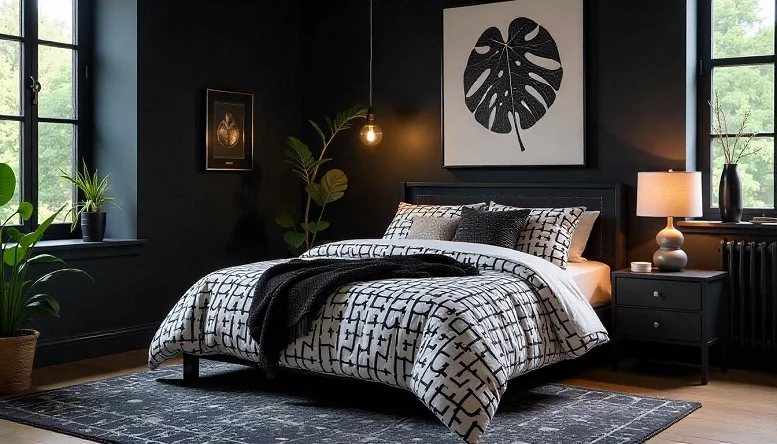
669	194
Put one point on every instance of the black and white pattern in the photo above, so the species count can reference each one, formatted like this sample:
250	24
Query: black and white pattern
453	342
403	219
548	232
232	404
499	228
433	228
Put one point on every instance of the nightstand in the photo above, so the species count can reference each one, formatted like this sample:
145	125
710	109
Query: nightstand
685	308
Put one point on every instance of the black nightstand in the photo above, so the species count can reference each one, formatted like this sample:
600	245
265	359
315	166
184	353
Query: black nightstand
685	308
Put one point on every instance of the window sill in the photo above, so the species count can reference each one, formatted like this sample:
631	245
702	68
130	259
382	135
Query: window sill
75	249
731	228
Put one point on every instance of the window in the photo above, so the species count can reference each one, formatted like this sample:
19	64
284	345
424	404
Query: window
738	64
39	130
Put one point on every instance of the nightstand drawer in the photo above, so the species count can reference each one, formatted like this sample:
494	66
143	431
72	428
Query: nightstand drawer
656	324
655	293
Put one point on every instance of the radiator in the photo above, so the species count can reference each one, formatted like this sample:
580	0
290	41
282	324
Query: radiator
752	268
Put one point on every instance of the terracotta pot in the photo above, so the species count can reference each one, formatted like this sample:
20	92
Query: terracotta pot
16	356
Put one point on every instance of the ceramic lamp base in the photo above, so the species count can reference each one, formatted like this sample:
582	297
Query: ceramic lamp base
670	257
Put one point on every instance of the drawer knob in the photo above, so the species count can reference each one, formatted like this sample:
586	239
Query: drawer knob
656	294
656	325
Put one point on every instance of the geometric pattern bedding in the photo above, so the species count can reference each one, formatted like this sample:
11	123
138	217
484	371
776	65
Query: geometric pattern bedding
453	342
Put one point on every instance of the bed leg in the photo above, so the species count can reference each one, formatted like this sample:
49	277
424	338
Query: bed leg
191	367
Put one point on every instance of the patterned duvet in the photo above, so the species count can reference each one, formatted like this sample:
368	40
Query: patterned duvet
453	342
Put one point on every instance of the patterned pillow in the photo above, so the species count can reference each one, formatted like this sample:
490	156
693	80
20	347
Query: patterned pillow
400	225
434	228
492	228
548	232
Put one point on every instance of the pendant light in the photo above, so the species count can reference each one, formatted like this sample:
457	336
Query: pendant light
371	134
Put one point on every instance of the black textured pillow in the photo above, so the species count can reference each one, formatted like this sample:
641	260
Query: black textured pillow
491	228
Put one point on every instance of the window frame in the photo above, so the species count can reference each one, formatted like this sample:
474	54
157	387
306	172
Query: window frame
707	66
30	43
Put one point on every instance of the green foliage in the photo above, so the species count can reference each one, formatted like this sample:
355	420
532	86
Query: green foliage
301	231
55	140
741	29
94	189
19	299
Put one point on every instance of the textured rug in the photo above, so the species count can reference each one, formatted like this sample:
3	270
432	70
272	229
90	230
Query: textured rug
232	404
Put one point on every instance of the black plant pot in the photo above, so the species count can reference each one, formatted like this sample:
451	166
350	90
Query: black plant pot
730	194
93	226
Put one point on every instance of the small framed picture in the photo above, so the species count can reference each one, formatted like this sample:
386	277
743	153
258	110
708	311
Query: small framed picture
229	131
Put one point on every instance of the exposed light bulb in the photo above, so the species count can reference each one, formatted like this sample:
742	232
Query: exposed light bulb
371	134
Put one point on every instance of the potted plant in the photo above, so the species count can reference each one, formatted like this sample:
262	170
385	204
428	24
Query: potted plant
730	186
20	298
89	210
303	227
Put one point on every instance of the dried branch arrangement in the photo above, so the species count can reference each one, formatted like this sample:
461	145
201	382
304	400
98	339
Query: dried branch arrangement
728	141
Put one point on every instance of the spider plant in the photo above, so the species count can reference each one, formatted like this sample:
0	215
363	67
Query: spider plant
94	190
19	297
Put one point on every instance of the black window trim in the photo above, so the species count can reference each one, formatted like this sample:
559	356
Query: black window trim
29	46
704	91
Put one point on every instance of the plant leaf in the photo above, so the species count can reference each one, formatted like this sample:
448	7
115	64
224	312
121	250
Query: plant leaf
318	130
46	277
42	302
287	216
316	227
15	255
7	183
508	71
314	191
14	234
333	185
45	259
294	239
25	210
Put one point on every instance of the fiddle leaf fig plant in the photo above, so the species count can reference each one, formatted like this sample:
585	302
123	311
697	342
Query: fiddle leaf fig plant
20	298
303	227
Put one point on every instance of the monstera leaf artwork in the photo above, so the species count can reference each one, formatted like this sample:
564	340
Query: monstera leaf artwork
512	82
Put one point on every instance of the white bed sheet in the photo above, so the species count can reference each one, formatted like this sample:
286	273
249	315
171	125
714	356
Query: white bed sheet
593	280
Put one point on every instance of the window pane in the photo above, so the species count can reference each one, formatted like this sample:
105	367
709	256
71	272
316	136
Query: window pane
755	171
55	74
743	88
56	144
10	17
742	28
10	143
10	77
55	20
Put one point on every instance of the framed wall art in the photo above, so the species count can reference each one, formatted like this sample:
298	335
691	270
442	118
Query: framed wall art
513	84
229	133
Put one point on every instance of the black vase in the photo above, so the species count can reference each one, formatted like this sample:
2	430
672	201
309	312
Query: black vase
730	194
93	226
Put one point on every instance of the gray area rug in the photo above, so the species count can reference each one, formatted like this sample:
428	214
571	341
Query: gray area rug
233	404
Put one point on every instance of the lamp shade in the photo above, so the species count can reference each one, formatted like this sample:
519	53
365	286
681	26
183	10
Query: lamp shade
672	193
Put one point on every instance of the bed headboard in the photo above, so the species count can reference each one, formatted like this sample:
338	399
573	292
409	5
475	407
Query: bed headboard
607	241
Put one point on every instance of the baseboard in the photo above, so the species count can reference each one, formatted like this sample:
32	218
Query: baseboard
93	344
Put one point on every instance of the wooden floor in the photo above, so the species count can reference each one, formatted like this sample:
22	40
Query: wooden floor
738	407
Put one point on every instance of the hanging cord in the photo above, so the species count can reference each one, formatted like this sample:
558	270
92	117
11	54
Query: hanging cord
370	53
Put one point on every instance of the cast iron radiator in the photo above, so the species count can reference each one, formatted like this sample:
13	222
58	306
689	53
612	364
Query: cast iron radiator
752	268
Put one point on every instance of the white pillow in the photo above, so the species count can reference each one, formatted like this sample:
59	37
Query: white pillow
403	219
548	232
580	236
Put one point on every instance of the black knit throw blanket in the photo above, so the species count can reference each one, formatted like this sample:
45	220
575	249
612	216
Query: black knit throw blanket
288	296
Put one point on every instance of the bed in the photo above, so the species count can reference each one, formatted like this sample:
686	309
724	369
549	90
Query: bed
453	342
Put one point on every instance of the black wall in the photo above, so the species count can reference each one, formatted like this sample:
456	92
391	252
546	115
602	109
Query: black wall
194	221
636	102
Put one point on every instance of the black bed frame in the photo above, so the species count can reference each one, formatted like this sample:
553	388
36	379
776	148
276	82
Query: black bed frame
606	244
